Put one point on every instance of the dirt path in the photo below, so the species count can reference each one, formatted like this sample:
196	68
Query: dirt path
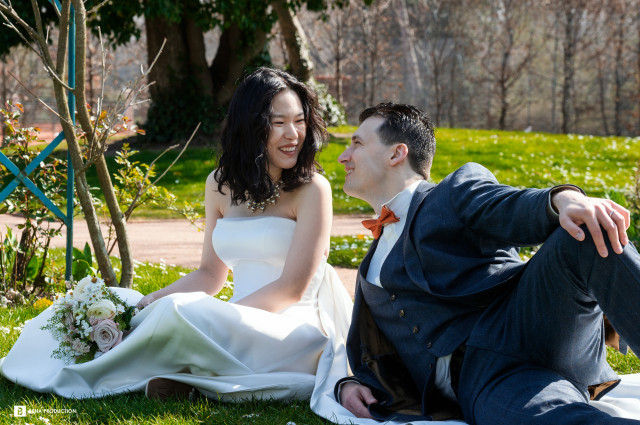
178	242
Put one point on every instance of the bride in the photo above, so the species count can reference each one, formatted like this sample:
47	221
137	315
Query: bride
268	219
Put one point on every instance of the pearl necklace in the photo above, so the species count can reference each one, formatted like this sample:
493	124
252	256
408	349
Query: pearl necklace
271	200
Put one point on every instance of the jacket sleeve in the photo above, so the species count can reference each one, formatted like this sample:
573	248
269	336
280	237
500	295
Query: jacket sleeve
503	213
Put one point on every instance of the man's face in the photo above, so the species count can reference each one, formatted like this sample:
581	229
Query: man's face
365	160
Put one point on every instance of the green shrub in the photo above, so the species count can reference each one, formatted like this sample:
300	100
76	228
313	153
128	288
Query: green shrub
334	111
174	114
23	260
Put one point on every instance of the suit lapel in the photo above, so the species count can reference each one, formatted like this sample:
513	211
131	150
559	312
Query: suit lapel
362	270
421	192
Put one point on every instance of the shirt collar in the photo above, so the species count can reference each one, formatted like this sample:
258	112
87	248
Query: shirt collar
399	204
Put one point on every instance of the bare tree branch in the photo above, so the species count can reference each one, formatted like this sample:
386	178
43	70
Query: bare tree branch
55	76
97	7
64	34
142	190
36	14
38	99
10	24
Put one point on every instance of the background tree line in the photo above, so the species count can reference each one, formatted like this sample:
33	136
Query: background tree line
560	66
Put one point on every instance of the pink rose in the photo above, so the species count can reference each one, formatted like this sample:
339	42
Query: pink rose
107	335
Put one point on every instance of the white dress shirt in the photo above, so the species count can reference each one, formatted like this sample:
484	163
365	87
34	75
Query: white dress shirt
399	204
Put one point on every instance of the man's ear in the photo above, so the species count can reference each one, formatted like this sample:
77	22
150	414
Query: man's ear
400	153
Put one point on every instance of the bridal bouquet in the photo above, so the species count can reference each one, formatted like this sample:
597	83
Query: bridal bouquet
88	321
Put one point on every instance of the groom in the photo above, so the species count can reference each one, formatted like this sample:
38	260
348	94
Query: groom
448	321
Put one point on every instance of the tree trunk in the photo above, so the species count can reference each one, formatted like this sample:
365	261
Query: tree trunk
89	77
503	90
338	73
235	51
183	56
619	44
295	40
554	75
567	85
172	63
118	220
489	87
196	50
529	83
412	79
503	79
452	88
338	54
5	97
436	64
602	96
82	188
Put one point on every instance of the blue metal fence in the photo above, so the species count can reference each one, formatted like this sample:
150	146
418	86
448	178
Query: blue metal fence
22	176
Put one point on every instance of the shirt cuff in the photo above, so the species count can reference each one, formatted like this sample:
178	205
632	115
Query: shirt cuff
552	213
339	387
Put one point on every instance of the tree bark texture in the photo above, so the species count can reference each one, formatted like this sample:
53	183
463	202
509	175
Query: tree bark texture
412	78
602	90
183	55
236	49
5	96
82	189
570	25
295	40
618	78
554	75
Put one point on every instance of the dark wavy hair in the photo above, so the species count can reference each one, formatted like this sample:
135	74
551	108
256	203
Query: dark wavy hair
242	166
409	125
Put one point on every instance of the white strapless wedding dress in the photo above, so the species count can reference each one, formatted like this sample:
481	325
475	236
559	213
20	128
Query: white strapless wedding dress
229	352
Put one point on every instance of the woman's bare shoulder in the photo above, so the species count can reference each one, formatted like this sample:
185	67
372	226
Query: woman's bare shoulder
218	198
315	190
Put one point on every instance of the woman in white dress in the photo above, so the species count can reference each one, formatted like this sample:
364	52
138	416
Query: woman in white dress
268	218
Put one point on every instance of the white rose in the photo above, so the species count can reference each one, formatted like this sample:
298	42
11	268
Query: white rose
80	291
103	309
107	335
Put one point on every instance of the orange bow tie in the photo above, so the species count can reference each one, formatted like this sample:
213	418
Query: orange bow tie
376	225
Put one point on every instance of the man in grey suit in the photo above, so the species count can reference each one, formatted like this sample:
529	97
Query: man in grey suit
448	321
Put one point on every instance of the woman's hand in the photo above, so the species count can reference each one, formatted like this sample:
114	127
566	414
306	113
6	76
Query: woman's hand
145	301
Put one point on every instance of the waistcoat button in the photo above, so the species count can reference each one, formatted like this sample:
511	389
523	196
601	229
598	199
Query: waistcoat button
393	297
428	345
416	329
401	313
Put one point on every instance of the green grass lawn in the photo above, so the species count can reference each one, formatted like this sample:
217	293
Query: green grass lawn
520	159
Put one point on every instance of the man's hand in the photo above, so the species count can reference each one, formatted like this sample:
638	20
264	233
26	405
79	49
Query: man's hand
576	209
355	398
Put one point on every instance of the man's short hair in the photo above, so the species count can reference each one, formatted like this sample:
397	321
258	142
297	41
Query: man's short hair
409	125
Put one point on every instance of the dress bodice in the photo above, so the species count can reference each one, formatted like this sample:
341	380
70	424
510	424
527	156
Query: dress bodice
255	249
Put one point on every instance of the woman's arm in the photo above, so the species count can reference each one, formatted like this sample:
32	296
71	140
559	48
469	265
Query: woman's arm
313	212
212	273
